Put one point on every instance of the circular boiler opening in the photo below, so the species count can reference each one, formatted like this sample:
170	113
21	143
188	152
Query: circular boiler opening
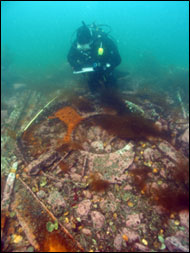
98	134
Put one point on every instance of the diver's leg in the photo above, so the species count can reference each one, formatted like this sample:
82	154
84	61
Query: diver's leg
94	82
110	81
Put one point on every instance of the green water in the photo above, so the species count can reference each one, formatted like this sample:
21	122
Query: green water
36	35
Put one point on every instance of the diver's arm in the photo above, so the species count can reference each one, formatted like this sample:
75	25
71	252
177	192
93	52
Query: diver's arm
73	58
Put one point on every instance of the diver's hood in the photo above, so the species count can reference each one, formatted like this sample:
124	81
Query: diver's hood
84	35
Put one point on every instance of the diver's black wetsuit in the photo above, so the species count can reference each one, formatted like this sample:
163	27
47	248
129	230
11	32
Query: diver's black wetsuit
103	64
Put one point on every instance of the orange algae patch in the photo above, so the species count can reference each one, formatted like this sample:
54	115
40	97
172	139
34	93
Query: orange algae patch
125	238
70	117
55	243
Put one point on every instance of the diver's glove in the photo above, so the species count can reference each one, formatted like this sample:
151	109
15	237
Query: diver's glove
97	66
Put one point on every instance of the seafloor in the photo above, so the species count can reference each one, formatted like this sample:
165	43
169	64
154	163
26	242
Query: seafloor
95	173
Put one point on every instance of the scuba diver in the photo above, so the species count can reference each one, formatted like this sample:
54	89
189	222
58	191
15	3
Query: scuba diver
94	53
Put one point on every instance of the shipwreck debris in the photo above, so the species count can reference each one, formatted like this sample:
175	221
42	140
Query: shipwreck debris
45	160
7	195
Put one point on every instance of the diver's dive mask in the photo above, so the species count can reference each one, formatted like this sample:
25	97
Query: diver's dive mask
84	47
